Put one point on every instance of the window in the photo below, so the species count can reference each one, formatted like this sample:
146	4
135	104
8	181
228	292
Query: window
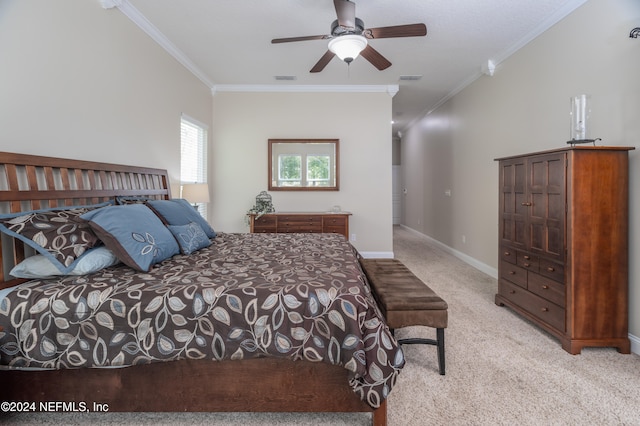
193	154
290	170
318	170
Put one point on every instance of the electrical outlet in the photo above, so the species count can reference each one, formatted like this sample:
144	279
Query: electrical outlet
464	239
353	237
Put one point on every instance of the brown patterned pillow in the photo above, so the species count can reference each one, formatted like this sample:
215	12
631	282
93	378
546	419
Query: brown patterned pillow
58	234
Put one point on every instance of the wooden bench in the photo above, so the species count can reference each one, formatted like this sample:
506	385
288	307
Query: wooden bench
405	300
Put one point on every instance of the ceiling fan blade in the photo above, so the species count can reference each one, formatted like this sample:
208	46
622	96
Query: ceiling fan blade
304	38
410	30
373	56
346	11
326	58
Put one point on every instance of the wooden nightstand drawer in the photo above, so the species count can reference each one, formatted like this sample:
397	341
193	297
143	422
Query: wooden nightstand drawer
334	230
291	227
264	229
266	220
266	223
300	219
334	221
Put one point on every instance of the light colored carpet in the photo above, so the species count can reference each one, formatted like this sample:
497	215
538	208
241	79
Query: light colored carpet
501	369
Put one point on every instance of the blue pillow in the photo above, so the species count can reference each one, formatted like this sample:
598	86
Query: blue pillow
38	266
190	237
179	212
134	233
58	233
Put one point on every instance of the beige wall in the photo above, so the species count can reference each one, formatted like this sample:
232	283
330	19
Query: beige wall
79	81
524	108
243	123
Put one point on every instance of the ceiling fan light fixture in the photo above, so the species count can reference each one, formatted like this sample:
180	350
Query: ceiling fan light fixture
347	47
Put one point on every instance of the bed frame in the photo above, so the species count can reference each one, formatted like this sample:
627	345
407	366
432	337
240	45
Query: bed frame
29	182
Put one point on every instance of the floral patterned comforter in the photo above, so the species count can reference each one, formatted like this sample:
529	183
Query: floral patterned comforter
299	296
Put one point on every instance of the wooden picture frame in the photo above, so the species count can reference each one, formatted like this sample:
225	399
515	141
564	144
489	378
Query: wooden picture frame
304	165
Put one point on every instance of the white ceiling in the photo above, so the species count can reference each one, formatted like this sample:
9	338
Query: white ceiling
228	42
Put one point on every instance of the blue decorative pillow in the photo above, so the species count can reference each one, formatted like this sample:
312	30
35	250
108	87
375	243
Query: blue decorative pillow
179	212
57	233
190	237
39	266
134	233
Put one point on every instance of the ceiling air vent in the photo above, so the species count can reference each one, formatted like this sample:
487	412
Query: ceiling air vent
410	77
285	77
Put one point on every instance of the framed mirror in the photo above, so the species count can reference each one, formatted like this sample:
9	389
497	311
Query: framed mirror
304	165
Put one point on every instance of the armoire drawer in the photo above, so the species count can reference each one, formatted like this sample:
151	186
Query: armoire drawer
508	255
513	273
553	270
542	309
528	261
547	288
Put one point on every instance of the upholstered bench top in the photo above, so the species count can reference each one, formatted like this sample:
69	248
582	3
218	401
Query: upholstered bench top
404	299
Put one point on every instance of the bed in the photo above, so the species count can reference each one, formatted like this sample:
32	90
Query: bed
241	322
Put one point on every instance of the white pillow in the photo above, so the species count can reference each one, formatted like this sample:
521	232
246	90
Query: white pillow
38	266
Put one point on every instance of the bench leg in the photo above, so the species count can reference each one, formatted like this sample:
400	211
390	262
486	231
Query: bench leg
439	342
440	337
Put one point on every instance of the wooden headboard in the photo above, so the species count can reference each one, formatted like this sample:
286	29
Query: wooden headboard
32	182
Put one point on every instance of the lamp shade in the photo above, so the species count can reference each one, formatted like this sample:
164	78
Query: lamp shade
348	47
196	192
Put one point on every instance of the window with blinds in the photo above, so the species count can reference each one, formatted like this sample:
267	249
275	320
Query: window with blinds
193	154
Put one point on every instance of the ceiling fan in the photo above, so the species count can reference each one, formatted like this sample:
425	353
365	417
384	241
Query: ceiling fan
348	37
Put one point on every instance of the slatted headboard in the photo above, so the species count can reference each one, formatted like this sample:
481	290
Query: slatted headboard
31	182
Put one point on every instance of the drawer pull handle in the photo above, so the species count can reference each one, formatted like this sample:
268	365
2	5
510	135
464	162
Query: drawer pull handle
526	265
527	257
512	272
545	287
506	253
526	204
545	309
551	269
512	292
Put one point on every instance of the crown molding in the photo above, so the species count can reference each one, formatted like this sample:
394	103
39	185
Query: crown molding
145	25
390	89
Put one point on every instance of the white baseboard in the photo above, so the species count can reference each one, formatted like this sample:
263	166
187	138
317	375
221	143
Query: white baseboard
377	254
492	272
635	344
635	341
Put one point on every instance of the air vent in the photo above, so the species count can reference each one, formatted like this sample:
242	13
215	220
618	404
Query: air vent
410	77
285	77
